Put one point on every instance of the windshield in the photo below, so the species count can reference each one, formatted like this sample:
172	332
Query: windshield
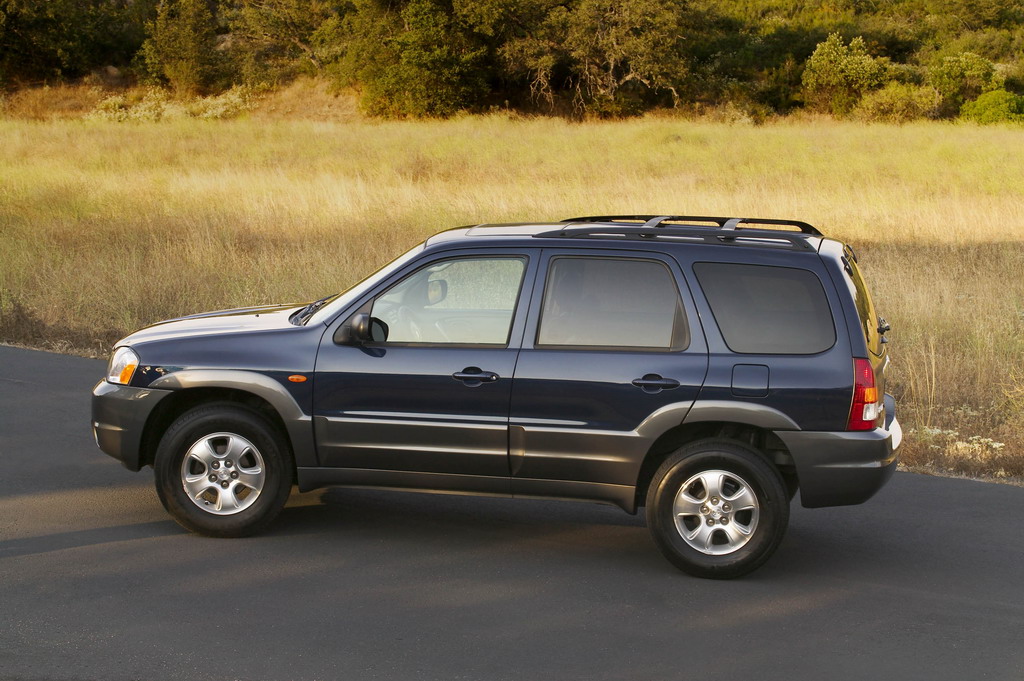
342	300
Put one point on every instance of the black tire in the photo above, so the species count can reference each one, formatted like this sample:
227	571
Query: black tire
228	423
747	538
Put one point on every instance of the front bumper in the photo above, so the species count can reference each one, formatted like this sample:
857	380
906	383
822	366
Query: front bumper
844	468
119	414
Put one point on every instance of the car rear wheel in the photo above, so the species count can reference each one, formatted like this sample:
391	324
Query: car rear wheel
222	470
717	509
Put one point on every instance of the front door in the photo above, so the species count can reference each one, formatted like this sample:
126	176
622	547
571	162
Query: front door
432	398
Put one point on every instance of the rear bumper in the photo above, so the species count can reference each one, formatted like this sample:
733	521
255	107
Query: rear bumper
119	414
844	468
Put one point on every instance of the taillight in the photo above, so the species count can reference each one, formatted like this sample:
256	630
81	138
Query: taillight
866	412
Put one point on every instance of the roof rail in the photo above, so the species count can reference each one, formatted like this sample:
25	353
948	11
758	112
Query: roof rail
724	223
728	237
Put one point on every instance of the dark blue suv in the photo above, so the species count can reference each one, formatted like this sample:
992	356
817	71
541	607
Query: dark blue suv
705	368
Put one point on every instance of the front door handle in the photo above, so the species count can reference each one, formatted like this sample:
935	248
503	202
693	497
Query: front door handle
474	376
653	383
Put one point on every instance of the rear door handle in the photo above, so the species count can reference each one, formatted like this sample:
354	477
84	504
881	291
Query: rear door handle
474	376
653	383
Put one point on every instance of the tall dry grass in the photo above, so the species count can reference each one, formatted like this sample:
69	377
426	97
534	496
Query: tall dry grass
107	227
51	102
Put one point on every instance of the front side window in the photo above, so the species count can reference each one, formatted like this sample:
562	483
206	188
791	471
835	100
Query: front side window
463	301
614	303
768	310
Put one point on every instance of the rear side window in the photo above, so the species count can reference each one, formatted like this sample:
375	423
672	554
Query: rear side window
768	310
612	303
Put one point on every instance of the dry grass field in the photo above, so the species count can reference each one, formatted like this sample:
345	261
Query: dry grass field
105	227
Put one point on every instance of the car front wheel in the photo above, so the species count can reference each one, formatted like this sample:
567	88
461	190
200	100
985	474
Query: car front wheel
222	470
717	509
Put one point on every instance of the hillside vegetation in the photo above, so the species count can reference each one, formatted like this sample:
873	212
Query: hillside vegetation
106	227
886	60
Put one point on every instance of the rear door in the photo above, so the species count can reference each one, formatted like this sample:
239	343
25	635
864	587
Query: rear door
612	356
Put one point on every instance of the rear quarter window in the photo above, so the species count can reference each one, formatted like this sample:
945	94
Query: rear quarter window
862	301
764	309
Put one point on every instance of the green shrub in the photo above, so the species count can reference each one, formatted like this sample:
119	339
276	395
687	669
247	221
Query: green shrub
961	78
838	75
1012	75
235	102
998	106
154	104
899	103
151	104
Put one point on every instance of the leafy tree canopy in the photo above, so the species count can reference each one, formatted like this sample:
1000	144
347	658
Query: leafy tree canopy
883	60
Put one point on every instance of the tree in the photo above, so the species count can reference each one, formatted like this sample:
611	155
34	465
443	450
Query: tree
64	38
527	38
838	75
611	56
182	46
975	14
622	49
417	61
282	32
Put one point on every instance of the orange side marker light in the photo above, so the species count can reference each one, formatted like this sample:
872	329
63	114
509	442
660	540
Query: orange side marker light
126	373
297	378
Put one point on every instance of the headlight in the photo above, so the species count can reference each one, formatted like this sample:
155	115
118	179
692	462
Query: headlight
123	363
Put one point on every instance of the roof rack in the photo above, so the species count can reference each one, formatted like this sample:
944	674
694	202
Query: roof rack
721	222
746	237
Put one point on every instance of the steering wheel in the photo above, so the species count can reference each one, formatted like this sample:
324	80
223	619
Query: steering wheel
407	319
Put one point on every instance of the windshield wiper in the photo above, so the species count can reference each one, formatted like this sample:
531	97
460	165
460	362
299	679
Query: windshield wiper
302	316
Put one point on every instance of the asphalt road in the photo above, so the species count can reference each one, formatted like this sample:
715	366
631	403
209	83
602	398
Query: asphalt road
926	581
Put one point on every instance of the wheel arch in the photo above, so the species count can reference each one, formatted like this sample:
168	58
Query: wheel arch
761	439
181	401
249	385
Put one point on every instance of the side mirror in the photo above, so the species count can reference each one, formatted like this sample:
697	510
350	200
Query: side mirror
355	331
437	291
378	330
361	328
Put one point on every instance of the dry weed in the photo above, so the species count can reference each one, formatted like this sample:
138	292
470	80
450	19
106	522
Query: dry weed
107	227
